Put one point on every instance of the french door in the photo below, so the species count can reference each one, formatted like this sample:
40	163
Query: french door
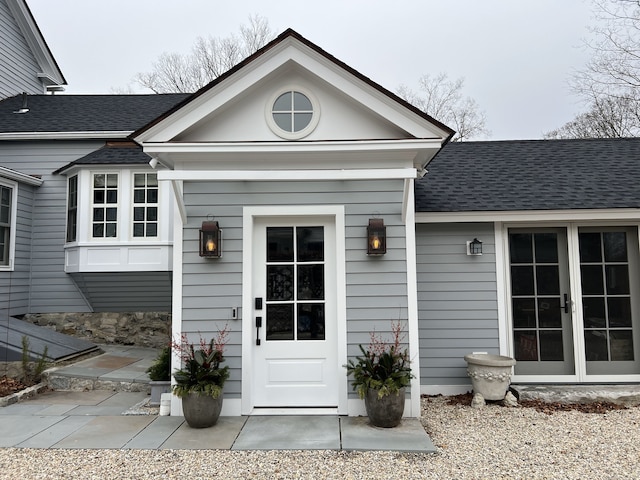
295	351
574	294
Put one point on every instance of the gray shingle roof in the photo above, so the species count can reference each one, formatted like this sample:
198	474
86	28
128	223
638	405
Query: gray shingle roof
532	175
113	153
84	113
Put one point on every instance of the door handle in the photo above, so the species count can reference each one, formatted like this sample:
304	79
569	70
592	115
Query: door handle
565	304
258	325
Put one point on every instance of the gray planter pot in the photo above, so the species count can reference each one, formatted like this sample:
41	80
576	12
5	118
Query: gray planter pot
201	411
386	411
490	374
158	387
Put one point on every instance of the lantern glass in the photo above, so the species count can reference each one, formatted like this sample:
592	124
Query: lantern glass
210	236
376	237
475	247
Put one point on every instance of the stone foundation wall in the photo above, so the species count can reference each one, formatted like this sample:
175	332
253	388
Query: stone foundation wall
143	329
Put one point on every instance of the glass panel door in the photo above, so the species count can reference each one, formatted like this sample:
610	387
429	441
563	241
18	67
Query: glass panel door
540	303
608	274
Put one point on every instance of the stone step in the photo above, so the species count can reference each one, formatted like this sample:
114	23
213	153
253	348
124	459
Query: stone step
628	395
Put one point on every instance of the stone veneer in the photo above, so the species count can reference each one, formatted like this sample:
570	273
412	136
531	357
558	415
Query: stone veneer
143	329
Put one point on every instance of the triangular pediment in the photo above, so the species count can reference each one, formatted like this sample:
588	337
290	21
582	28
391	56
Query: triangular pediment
237	109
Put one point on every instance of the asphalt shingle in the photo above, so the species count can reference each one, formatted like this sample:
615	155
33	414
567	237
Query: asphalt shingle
532	175
84	113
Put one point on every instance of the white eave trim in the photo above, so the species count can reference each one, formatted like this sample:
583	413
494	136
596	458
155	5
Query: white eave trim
612	214
284	175
20	177
101	135
295	147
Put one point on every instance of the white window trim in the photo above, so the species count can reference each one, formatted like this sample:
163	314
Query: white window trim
132	187
119	190
10	267
315	117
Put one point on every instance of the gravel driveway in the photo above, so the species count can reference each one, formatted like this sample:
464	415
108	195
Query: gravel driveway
492	443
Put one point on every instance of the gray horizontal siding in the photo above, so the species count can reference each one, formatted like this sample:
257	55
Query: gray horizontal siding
14	285
126	291
376	287
52	290
457	300
18	66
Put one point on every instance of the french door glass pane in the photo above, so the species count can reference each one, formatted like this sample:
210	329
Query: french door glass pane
310	321
551	349
280	244
279	282
310	244
615	246
590	249
524	312
520	247
279	325
547	280
549	313
546	247
592	281
593	312
617	279
522	280
310	282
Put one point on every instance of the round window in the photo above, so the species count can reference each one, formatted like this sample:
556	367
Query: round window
293	114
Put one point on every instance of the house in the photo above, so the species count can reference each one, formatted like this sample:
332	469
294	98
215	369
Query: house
303	205
26	63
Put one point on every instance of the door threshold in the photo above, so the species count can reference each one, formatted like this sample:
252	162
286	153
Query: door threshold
294	411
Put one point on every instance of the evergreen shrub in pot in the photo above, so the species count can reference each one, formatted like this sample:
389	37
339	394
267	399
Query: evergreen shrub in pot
381	375
160	375
200	381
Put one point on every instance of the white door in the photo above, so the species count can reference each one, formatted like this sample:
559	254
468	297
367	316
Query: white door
295	321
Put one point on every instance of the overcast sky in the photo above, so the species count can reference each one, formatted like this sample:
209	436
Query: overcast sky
516	56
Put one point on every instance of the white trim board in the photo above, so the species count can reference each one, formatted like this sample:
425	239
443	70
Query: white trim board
284	175
609	214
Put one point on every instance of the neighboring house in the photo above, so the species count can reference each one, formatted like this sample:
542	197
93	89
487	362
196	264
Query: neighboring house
26	63
54	258
251	199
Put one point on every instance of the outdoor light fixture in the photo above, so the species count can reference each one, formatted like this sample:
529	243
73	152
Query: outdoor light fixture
376	237
474	247
210	237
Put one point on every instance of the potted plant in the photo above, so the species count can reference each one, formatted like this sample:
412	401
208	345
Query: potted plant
160	375
381	375
200	381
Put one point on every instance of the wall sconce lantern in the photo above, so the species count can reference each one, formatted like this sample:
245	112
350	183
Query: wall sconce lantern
376	237
210	237
474	247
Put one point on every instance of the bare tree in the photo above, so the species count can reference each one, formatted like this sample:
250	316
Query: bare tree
609	85
442	98
608	117
210	57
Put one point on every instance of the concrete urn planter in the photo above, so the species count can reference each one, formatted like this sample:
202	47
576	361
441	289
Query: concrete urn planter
201	411
490	376
387	411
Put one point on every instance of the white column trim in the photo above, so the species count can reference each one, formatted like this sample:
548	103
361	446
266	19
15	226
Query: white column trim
501	288
176	308
412	300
